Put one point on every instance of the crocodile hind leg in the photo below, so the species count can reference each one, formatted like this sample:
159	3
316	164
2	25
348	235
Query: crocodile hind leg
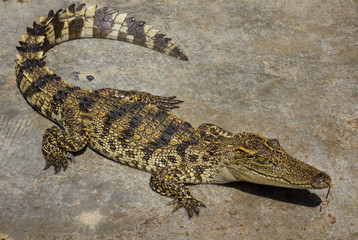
58	144
136	96
213	130
169	181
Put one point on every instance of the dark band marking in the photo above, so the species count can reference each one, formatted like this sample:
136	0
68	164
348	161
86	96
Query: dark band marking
44	80
103	22
29	64
76	25
107	24
86	103
160	42
46	45
128	21
163	140
40	83
75	28
60	96
36	30
118	112
133	123
72	89
136	29
161	116
58	24
98	19
181	147
29	47
167	135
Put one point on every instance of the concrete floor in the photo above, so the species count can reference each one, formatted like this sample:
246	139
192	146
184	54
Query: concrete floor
284	69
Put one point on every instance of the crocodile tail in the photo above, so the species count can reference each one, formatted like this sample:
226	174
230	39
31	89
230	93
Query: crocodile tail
81	22
39	84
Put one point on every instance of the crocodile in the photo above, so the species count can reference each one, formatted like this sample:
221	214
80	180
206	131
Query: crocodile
137	128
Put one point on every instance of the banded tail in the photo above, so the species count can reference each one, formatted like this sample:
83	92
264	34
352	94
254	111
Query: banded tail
39	84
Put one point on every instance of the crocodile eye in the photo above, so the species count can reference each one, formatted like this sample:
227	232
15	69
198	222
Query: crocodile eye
261	160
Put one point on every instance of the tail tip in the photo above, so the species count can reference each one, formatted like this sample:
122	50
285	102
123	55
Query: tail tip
177	53
184	57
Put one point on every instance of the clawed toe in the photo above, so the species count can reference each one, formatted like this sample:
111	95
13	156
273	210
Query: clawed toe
169	102
191	205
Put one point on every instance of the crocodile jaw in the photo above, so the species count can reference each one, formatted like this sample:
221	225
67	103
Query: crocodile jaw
306	177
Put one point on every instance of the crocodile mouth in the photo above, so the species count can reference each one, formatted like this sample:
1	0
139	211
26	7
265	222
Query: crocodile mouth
320	180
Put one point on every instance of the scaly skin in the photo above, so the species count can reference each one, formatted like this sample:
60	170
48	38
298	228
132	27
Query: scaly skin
137	128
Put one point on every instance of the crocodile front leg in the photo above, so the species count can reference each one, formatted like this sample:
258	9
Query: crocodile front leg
58	144
168	181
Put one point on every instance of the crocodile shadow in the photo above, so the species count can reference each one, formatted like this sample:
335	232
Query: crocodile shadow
301	197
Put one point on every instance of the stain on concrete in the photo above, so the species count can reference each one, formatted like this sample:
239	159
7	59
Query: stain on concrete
90	218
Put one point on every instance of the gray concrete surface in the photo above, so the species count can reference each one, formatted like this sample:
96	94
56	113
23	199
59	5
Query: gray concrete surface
285	69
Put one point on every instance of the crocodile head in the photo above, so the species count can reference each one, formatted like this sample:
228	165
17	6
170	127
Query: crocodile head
263	161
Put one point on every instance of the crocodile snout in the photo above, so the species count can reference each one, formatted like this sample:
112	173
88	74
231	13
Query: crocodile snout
321	180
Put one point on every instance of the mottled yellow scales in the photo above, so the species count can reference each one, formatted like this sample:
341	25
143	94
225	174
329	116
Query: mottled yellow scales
137	128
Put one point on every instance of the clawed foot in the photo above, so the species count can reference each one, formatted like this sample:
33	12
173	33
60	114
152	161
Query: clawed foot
58	159
168	102
54	154
190	204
